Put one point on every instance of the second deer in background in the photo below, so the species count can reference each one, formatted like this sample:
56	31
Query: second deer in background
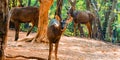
24	15
81	17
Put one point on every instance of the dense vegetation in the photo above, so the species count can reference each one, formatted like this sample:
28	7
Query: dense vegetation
107	14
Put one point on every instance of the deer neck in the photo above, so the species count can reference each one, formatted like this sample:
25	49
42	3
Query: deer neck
57	31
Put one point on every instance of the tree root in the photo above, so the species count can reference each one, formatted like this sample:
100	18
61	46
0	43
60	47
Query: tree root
38	58
26	39
33	39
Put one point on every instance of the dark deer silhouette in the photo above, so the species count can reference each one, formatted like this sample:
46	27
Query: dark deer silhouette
81	17
55	30
23	15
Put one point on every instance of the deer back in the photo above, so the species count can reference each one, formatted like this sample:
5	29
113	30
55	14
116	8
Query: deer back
25	14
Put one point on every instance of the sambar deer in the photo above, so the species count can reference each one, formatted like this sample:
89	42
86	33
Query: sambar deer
24	15
55	30
81	17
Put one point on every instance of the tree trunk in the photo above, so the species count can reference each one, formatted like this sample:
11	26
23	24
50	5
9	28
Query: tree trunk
88	5
43	20
29	2
97	24
107	14
111	19
35	3
4	26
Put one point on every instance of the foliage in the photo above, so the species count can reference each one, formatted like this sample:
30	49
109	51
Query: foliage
68	33
103	7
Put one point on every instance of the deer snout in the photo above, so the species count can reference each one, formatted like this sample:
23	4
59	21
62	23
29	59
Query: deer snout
62	28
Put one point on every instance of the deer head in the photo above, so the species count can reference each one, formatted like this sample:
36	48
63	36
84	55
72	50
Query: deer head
60	24
65	22
71	9
55	22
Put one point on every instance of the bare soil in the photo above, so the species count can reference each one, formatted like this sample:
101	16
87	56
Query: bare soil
70	48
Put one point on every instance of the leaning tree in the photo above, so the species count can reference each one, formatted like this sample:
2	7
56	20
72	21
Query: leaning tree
43	20
45	5
4	26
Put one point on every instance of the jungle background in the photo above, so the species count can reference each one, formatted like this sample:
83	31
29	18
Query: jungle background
106	24
107	12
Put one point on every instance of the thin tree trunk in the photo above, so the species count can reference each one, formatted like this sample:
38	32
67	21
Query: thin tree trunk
4	26
111	19
107	14
43	20
35	3
97	21
29	2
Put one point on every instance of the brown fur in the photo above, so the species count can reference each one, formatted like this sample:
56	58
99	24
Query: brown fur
81	17
24	15
54	34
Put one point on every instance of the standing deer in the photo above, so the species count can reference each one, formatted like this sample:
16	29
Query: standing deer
24	15
81	17
55	30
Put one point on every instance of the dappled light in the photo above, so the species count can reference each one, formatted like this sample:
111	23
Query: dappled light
70	48
59	30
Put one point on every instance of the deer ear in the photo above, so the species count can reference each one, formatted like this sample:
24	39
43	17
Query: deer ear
69	19
57	17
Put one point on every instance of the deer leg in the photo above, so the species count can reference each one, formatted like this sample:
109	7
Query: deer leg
30	30
17	27
81	30
75	24
50	50
89	29
56	49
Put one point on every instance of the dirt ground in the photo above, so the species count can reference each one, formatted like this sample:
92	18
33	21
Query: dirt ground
70	48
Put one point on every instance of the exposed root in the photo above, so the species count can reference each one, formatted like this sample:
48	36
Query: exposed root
43	40
38	58
33	39
26	39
